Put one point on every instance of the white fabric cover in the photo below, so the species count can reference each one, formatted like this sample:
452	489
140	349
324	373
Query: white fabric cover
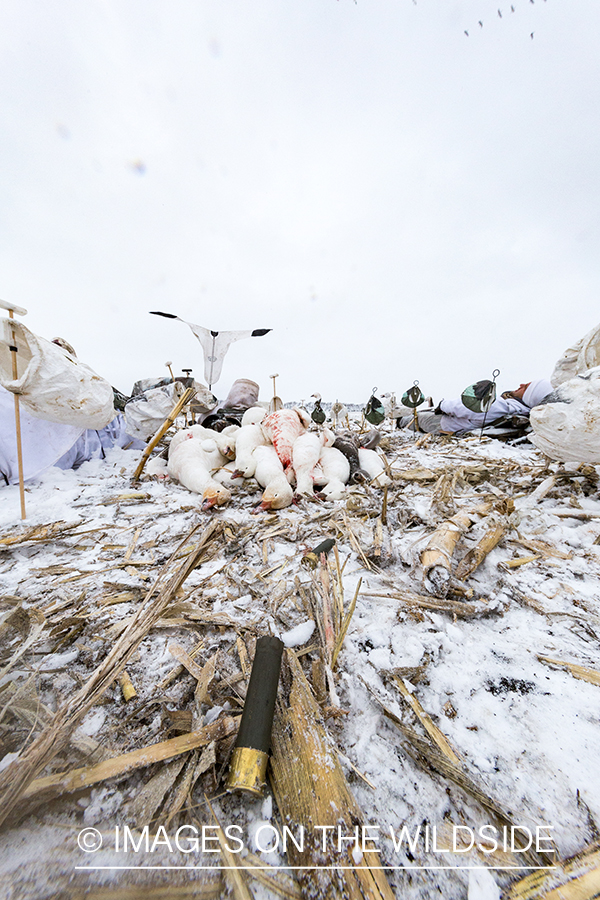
43	442
92	444
583	355
570	430
144	415
51	383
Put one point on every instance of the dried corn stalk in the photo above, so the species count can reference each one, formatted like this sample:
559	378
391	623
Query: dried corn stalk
476	555
303	756
417	474
583	672
194	768
519	561
38	533
234	872
15	778
345	625
36	622
430	757
185	398
273	878
432	730
453	607
436	558
577	878
51	786
150	797
543	547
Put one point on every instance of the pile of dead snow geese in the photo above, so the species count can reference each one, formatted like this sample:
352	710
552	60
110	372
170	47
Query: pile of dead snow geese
278	450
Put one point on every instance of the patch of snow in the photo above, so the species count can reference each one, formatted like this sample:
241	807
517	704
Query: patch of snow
482	885
299	635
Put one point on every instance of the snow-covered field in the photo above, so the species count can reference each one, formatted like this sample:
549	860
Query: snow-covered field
526	732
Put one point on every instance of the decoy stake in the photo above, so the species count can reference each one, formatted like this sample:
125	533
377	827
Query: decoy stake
412	398
12	309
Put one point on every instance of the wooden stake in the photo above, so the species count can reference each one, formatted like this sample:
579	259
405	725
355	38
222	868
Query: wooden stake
22	312
276	403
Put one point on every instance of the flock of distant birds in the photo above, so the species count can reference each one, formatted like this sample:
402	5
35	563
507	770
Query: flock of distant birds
499	11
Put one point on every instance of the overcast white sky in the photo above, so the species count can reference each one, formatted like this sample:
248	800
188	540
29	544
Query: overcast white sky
395	199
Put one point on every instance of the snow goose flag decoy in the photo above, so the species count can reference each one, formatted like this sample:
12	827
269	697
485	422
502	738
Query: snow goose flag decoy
215	344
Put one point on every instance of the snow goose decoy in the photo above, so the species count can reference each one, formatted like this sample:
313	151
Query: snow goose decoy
339	413
372	464
318	414
191	463
332	473
254	415
248	438
282	428
270	475
305	455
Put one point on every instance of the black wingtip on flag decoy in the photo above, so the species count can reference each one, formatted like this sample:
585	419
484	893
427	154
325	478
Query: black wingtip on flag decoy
215	344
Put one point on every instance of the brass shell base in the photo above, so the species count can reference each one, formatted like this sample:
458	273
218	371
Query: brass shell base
248	771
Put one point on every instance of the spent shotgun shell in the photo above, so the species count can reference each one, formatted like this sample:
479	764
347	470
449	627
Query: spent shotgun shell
248	767
311	558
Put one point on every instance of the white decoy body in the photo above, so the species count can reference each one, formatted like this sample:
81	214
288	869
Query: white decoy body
339	413
157	468
270	475
332	473
305	455
254	415
248	438
214	457
184	434
371	463
225	439
202	433
268	466
282	428
191	463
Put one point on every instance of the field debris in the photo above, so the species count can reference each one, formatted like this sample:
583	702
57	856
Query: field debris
577	878
431	629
